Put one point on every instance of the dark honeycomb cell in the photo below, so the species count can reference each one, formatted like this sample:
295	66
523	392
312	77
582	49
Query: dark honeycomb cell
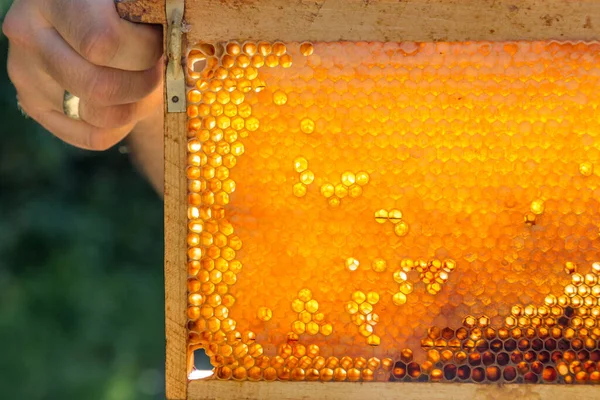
399	370
496	345
550	344
478	374
509	374
474	359
464	372
544	356
488	358
523	344
577	344
462	333
529	356
537	344
537	367
482	345
523	368
549	374
447	333
450	371
510	345
556	356
564	344
413	369
493	373
502	358
530	377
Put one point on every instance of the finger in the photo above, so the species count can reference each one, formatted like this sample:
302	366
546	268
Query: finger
43	103
93	28
41	98
101	85
41	91
120	115
20	21
80	133
77	133
107	116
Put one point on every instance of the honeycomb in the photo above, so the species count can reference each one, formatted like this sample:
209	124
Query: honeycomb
395	211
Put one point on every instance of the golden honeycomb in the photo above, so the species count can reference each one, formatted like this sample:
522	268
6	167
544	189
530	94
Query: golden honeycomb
395	211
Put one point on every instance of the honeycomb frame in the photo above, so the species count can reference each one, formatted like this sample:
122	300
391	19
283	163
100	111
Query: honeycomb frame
174	209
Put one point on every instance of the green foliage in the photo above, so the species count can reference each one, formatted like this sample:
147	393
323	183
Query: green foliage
81	295
4	4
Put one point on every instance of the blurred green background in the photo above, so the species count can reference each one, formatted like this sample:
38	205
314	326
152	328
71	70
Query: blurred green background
81	284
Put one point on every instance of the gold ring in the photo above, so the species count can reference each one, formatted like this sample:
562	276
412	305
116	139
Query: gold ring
71	106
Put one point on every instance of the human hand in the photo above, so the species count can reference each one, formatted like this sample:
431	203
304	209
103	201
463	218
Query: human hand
82	46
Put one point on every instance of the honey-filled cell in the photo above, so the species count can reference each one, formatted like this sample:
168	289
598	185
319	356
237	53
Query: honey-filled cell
395	211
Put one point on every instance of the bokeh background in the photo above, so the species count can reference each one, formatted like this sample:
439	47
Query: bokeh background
81	278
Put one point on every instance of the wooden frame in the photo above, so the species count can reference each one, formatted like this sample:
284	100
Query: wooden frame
175	192
213	389
379	20
333	20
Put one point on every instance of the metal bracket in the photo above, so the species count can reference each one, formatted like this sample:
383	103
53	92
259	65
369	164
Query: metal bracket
175	79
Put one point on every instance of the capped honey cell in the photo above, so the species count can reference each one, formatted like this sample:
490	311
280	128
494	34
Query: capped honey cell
306	49
265	313
586	168
279	98
307	125
352	264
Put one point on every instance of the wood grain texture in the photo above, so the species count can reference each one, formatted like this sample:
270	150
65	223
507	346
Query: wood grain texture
392	20
145	11
175	255
213	389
